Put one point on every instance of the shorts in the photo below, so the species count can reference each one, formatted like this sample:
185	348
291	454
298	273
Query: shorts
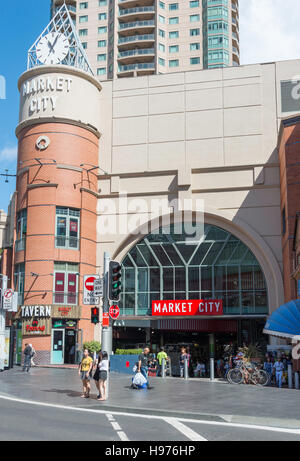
83	376
103	375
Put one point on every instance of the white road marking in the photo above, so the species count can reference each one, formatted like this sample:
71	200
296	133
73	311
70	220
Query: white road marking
185	430
117	427
162	418
123	436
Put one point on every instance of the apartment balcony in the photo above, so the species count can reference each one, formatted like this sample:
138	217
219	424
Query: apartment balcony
136	14
235	51
131	41
138	69
136	56
235	59
139	27
135	3
70	4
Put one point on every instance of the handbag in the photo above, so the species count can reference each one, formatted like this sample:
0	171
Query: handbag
96	374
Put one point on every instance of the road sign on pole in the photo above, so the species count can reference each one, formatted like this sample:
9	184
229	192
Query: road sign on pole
91	290
8	296
114	312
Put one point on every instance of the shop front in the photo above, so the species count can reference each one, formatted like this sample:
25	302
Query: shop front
53	331
180	291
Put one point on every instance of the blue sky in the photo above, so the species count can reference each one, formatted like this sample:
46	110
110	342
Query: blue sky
268	32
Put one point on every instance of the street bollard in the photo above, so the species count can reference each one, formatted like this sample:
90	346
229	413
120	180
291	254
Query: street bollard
212	369
186	369
290	376
296	380
163	368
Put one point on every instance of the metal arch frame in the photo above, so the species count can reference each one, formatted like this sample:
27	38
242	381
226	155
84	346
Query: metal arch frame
63	23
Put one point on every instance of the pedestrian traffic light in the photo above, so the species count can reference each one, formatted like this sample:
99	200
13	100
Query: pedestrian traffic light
115	283
95	315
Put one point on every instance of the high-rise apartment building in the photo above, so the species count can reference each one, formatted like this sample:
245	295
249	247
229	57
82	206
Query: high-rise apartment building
125	38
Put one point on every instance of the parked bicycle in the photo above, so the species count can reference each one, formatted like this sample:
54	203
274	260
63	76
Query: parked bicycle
247	373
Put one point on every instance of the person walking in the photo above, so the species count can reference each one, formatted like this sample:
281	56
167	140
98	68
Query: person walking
103	372
279	367
183	356
27	357
268	367
32	355
160	356
143	363
84	371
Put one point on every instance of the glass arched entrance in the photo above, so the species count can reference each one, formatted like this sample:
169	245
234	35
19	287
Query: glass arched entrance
167	265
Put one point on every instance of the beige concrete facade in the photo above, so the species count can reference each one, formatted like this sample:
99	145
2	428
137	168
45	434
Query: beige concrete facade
209	135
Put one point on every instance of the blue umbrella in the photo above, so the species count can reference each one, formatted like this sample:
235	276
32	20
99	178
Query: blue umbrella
285	321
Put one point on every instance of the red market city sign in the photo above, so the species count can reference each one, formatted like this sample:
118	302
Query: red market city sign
191	307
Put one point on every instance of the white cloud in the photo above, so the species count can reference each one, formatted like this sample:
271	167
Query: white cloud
9	154
269	30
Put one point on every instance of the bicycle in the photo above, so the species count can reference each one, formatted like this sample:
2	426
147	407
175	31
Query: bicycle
246	373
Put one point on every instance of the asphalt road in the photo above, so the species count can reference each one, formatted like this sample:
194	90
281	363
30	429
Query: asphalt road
22	419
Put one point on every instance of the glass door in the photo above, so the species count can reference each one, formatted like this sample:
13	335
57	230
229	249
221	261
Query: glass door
58	347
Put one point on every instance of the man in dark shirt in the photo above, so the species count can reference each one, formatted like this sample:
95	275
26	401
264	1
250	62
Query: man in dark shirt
27	357
143	362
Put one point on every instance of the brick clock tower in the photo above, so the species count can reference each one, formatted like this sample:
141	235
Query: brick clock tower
56	194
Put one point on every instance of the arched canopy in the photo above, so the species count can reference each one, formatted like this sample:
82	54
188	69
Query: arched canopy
169	264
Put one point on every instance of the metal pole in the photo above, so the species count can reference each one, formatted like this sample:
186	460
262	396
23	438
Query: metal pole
186	368
163	368
106	337
296	380
212	356
2	323
290	376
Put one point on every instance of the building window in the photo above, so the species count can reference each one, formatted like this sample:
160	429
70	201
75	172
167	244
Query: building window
19	281
174	34
84	45
66	283
101	43
21	230
102	2
194	32
194	18
161	33
194	4
102	30
173	6
101	57
195	61
101	71
67	228
161	47
83	19
194	46
173	20
173	49
174	63
161	61
162	5
83	32
102	16
83	5
215	265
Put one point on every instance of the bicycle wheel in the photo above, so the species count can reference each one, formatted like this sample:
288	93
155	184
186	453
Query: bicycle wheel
263	377
235	376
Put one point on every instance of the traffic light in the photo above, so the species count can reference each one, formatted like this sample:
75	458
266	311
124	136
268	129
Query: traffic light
115	276
95	315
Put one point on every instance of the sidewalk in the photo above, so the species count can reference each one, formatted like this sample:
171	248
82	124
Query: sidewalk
195	398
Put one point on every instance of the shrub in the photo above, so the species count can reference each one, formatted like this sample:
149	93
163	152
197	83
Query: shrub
128	351
92	346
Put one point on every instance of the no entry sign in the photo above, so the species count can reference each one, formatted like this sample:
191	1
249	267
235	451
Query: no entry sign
92	289
191	307
114	312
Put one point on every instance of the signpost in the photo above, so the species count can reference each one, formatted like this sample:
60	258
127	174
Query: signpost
92	289
114	312
8	299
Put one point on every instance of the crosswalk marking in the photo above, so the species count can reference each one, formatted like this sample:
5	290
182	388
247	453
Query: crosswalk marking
185	430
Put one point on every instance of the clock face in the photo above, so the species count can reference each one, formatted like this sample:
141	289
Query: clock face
52	48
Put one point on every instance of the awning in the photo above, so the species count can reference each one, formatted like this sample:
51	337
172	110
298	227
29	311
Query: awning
285	321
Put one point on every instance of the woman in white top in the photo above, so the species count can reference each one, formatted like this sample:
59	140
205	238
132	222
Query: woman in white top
103	370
